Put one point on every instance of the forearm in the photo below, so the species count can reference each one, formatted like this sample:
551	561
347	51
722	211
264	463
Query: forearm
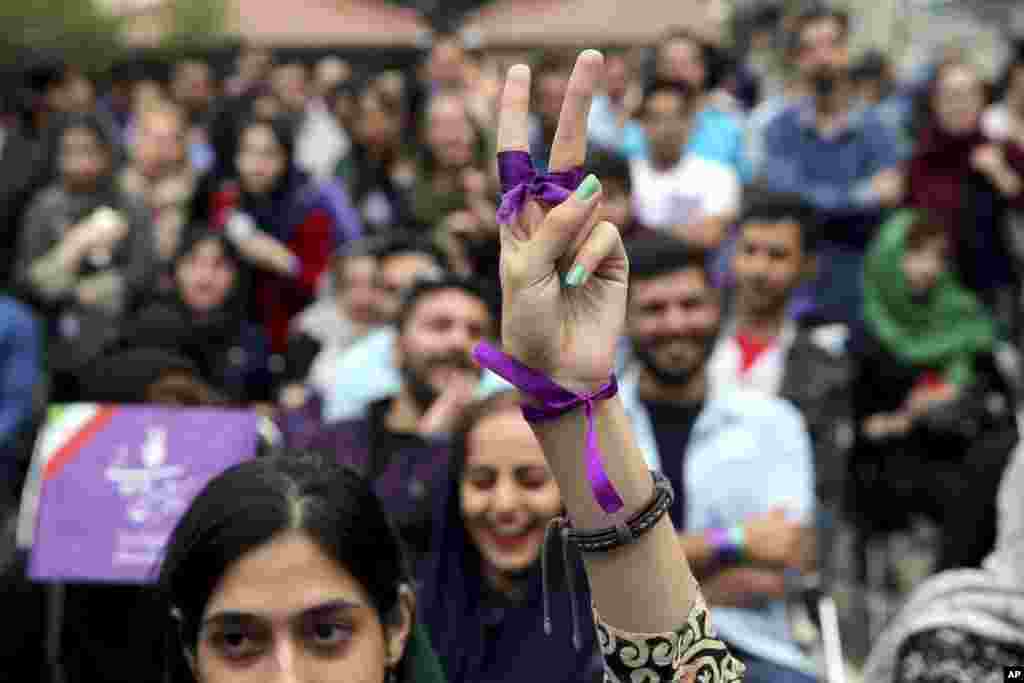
699	553
1007	182
744	587
54	274
268	253
647	586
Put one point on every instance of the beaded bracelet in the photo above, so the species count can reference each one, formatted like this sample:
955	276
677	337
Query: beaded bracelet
624	533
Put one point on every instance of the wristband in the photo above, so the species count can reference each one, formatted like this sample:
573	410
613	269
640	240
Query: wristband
727	544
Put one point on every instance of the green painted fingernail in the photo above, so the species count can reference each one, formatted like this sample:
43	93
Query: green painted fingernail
576	276
588	188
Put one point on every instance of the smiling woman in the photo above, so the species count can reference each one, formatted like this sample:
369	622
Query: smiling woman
483	596
287	566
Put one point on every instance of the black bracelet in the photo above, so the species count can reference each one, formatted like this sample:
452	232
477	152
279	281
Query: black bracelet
629	531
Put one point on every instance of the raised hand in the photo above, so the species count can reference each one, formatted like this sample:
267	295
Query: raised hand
564	276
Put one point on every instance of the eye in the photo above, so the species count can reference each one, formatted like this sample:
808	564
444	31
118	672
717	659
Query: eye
329	635
237	644
481	481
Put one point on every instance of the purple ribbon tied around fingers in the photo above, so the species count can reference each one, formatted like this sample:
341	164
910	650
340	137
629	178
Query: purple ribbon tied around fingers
557	401
520	181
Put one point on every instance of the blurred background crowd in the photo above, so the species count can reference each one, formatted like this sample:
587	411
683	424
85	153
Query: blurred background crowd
825	216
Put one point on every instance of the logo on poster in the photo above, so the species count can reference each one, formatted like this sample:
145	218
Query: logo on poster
152	488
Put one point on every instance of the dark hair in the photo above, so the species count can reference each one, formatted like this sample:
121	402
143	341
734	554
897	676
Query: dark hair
92	123
403	242
765	206
873	65
285	134
659	86
924	226
425	287
713	65
247	506
608	165
820	12
657	254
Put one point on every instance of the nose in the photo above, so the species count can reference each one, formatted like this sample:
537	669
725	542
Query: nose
506	499
675	320
461	338
285	661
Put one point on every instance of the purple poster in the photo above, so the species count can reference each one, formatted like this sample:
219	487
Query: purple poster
116	479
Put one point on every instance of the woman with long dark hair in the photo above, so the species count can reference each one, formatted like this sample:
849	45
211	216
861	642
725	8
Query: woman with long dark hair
483	593
280	222
204	318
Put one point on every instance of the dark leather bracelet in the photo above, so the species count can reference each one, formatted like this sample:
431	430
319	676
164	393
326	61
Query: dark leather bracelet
629	531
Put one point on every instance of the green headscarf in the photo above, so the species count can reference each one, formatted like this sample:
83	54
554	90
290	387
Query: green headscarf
945	331
421	662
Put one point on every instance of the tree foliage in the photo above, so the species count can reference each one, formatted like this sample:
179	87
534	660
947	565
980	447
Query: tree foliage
195	23
79	30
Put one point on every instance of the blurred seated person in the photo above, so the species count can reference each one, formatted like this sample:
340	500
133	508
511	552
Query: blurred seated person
610	125
934	418
401	441
691	197
21	347
159	175
963	178
965	625
203	318
754	447
617	192
684	58
843	160
483	598
876	86
281	222
85	254
343	315
451	143
763	348
378	169
348	381
469	235
22	173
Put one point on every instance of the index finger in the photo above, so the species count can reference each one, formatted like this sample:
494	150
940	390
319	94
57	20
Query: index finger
569	148
513	117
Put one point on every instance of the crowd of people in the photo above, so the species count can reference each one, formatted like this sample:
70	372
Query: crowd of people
824	307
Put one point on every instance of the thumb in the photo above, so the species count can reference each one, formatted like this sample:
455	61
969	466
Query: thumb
566	225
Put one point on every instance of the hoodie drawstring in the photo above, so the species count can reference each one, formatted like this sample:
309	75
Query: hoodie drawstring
557	528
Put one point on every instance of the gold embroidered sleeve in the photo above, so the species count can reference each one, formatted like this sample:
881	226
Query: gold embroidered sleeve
692	654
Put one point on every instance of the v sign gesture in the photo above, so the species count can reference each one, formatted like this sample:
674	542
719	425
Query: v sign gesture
563	276
564	281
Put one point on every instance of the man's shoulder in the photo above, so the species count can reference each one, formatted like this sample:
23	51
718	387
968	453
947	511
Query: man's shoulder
755	409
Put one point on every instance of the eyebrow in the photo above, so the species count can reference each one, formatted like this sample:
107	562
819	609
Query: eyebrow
232	616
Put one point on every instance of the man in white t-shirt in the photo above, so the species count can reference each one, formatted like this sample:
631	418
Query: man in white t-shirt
693	198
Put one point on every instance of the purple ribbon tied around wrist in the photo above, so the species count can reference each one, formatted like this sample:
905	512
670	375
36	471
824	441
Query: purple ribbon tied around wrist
520	182
557	401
